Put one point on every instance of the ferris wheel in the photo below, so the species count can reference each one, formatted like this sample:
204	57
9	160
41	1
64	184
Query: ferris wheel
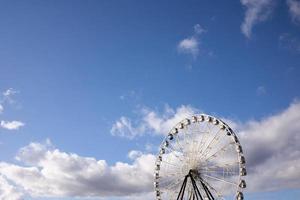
200	159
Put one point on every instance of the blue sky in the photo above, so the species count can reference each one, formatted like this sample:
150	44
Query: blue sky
75	68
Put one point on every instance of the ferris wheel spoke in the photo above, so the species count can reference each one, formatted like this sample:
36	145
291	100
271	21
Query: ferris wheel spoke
213	189
174	148
175	174
169	182
227	145
203	136
222	150
188	145
203	150
199	145
210	145
177	147
174	184
218	172
224	172
219	179
178	143
175	165
215	165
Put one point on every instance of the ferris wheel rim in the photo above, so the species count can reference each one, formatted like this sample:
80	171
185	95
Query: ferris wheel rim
240	185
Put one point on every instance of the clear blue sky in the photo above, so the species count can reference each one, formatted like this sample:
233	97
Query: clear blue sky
78	66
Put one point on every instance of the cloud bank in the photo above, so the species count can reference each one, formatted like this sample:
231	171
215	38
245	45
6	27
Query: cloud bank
49	172
271	147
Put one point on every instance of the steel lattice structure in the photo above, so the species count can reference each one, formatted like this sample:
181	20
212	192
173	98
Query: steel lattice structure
200	159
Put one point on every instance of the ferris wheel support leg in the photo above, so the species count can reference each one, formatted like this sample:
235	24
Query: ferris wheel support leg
192	197
182	189
208	193
196	190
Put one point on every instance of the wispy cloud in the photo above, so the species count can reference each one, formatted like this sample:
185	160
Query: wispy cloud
294	9
124	128
261	90
8	95
191	44
151	121
289	42
256	11
11	125
4	99
9	92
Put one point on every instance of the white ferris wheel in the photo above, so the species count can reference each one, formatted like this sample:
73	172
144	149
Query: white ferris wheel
200	159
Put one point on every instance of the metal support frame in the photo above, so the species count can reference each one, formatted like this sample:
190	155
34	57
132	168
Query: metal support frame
196	193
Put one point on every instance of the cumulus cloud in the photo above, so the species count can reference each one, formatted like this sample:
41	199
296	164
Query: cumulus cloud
53	173
271	147
161	123
256	11
9	191
11	125
152	121
191	44
272	150
294	9
271	144
134	154
1	109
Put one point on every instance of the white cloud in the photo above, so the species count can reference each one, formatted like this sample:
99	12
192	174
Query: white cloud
294	9
272	150
11	125
124	128
191	44
6	97
9	92
289	42
54	173
162	123
134	154
271	147
151	122
256	11
261	90
199	29
9	191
